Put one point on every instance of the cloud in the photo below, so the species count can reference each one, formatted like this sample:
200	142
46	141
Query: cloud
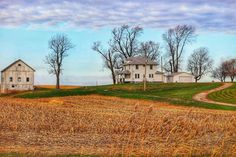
216	15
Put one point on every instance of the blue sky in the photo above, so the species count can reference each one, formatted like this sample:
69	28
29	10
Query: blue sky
26	27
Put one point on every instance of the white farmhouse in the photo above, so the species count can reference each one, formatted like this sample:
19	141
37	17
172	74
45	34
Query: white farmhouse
16	77
133	70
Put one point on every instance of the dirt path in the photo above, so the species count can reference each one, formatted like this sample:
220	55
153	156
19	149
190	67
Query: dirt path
203	95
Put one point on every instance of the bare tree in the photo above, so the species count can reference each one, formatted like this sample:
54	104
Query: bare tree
199	63
230	68
59	45
150	49
124	41
176	40
110	58
219	73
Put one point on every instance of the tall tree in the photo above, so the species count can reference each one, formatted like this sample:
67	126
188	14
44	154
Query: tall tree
199	63
219	73
230	67
150	49
59	45
176	40
110	59
122	45
125	41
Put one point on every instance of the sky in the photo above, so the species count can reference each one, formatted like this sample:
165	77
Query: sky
27	25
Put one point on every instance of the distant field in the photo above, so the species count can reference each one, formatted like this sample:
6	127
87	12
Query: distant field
175	93
227	95
108	126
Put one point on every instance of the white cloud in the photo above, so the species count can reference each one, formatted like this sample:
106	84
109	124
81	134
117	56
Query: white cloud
211	15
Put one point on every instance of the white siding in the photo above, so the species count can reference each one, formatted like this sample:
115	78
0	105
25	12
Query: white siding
183	78
141	71
19	72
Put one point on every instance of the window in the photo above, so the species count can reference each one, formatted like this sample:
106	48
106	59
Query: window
150	75
13	86
136	75
19	65
151	67
27	79
10	79
127	76
19	79
136	66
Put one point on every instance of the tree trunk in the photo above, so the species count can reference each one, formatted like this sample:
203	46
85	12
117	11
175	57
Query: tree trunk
113	75
171	68
232	78
113	78
58	82
195	80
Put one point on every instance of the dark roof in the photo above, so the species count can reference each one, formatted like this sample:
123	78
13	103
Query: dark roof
126	72
123	72
139	60
19	60
159	72
177	73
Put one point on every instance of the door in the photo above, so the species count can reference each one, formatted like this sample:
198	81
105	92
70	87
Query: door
185	79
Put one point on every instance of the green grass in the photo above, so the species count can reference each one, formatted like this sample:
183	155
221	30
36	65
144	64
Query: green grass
227	95
175	93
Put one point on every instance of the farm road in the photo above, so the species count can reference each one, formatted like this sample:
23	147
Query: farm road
203	95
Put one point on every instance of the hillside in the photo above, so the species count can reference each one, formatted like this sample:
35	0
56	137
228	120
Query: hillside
174	93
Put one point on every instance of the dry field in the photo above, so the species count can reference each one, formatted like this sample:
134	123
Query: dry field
113	126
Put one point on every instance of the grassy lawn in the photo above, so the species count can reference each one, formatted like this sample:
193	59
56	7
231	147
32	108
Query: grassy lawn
227	95
175	93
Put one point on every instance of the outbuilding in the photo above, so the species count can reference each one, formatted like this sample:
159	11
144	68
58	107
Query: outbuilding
18	76
181	77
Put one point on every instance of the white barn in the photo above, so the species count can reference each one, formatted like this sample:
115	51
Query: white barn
18	76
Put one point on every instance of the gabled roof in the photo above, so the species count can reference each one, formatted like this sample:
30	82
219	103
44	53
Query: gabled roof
19	60
178	73
124	72
139	60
